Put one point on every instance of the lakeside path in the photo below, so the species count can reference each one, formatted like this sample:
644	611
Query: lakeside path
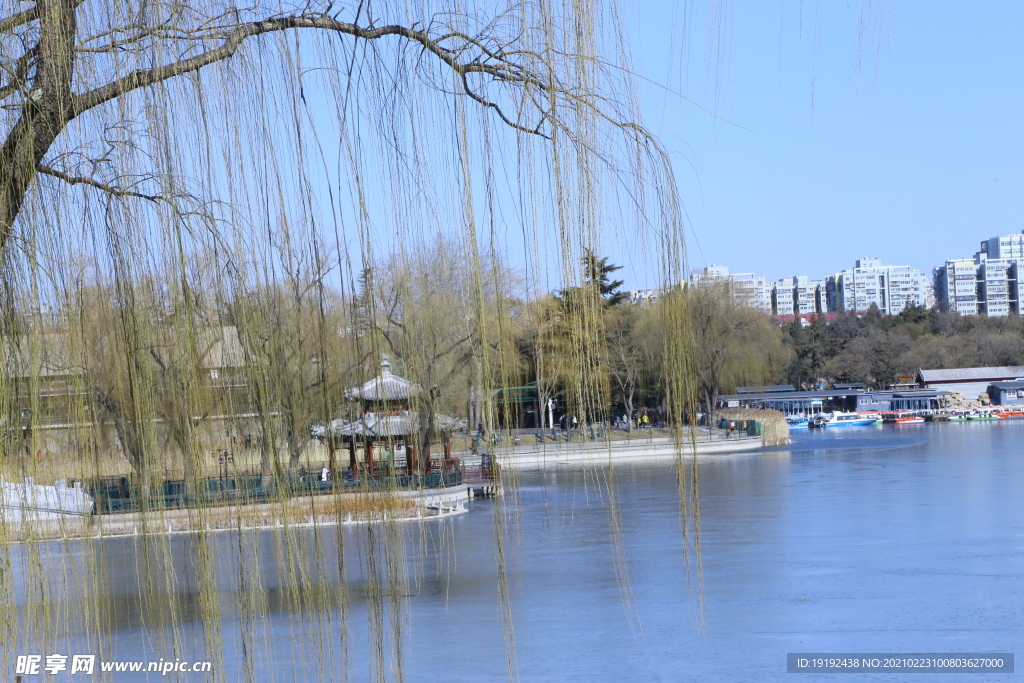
620	450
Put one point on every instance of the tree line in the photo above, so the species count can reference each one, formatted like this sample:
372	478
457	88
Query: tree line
154	360
157	361
878	350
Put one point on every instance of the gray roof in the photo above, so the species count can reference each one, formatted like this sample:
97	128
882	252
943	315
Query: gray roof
772	388
971	374
831	393
385	387
1008	385
791	395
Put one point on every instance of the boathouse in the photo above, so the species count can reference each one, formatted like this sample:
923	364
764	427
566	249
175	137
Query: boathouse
845	400
1006	393
971	382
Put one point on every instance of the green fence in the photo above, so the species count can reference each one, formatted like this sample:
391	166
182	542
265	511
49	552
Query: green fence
121	494
748	427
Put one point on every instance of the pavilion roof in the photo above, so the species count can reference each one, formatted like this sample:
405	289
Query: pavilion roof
386	425
384	387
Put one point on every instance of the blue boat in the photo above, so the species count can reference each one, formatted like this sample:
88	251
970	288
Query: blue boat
797	421
844	420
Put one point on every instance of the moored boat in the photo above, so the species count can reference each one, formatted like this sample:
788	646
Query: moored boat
902	417
798	421
838	419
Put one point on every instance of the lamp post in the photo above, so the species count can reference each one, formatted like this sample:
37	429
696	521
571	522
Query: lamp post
224	458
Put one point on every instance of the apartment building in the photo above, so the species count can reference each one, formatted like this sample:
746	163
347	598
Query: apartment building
797	295
986	284
1005	247
997	286
956	286
748	287
890	288
645	297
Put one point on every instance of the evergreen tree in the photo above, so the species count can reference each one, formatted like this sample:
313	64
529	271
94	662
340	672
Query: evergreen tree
597	275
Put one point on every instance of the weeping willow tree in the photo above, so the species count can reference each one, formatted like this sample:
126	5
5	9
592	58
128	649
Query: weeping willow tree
735	344
190	194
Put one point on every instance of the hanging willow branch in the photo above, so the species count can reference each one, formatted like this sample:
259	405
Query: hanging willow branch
44	79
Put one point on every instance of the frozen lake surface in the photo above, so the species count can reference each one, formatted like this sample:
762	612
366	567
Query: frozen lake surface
877	539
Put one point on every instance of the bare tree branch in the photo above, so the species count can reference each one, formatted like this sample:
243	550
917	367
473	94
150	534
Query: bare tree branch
504	71
19	19
109	189
19	73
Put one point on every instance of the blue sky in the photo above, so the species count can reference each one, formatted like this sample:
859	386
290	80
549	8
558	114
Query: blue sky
913	156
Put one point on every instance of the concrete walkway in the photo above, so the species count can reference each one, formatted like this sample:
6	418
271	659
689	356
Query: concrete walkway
602	452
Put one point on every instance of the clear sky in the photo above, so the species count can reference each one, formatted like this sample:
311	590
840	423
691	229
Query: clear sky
843	129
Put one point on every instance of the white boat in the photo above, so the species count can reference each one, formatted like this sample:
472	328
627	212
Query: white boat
838	419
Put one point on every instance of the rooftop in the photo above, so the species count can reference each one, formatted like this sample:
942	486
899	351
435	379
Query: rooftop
384	387
770	389
1004	372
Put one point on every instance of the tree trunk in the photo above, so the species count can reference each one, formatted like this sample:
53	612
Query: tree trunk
44	115
129	439
426	425
627	401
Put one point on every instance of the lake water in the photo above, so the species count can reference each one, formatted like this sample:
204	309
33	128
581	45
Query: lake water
879	539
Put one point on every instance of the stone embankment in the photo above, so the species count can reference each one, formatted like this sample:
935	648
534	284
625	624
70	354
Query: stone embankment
316	511
597	452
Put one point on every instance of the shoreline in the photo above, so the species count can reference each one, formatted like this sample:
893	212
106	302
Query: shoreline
302	512
608	452
318	511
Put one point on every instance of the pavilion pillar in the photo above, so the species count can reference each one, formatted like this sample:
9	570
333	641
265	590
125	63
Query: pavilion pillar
369	457
410	457
447	448
352	458
426	459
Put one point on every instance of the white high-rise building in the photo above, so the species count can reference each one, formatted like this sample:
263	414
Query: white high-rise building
747	287
808	295
986	284
1005	247
890	288
782	297
997	286
797	295
956	286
